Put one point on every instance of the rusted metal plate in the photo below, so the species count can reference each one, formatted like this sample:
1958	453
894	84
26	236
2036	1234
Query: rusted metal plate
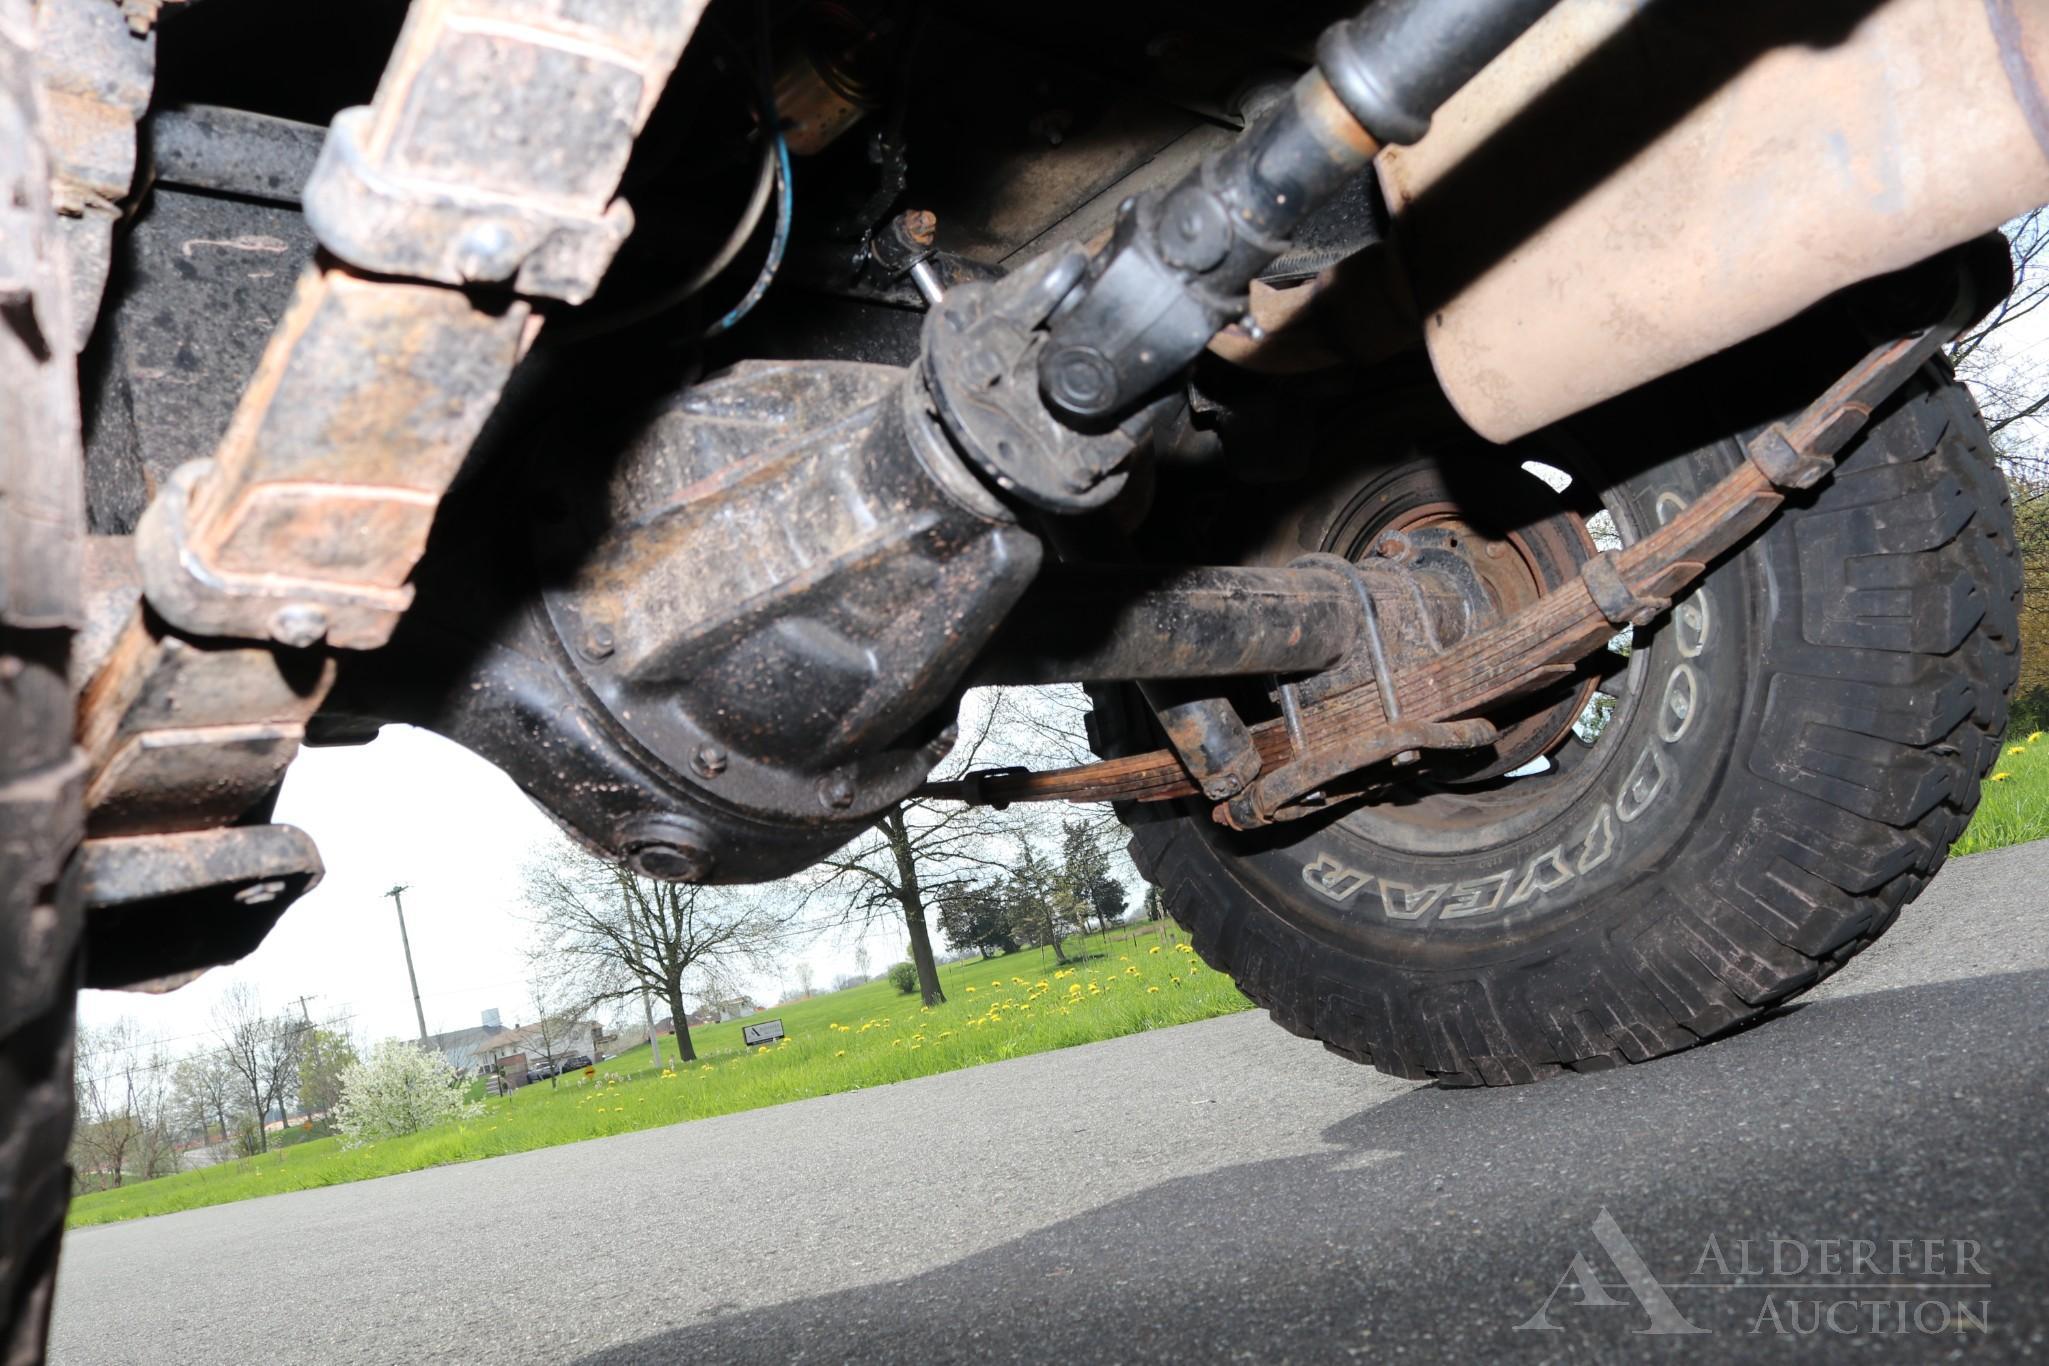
161	909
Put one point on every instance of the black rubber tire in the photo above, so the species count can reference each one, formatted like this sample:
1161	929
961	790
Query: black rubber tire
1847	675
42	528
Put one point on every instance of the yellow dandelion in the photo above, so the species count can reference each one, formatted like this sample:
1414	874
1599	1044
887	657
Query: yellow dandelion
2001	777
1073	987
1152	991
1154	949
841	1054
971	991
2033	736
2016	749
1184	948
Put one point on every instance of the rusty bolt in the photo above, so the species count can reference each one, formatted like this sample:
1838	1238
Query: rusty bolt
917	227
597	641
1394	545
836	792
709	761
299	625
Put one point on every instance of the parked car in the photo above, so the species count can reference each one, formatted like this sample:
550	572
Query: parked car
577	1063
540	1072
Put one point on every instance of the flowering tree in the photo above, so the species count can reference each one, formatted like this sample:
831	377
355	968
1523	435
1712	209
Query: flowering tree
399	1089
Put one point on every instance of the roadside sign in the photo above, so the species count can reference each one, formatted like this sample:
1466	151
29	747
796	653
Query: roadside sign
768	1031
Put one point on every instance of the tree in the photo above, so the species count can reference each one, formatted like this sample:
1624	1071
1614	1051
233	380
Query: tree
2006	364
556	1019
972	916
1110	900
123	1098
324	1054
204	1088
1039	915
917	851
400	1089
611	933
1085	881
263	1050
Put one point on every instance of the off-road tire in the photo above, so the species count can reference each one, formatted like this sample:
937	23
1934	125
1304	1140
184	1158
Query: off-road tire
1848	692
42	526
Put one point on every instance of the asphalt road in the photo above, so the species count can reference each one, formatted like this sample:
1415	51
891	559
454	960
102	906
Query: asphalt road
1218	1191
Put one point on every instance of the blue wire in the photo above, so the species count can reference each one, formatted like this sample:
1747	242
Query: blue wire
776	245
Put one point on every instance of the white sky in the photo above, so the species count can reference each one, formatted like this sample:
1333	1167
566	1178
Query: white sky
411	808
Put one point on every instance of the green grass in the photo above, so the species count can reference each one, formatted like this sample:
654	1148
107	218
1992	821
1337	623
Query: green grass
1139	978
2014	807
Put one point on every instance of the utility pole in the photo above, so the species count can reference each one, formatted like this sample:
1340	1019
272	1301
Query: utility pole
305	1106
407	944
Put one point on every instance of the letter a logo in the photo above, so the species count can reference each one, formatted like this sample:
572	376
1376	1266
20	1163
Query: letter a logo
1590	1293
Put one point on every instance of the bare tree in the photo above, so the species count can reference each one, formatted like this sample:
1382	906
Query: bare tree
557	1015
263	1050
205	1087
123	1099
615	934
2006	364
917	853
2005	361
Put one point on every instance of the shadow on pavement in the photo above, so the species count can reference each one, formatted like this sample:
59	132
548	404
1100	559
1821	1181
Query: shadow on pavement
1441	1220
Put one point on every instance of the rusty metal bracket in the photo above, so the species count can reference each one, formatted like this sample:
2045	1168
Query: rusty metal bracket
1213	744
198	596
1278	796
161	909
496	143
395	225
1621	604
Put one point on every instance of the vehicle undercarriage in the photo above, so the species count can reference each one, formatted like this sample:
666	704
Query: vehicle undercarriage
682	406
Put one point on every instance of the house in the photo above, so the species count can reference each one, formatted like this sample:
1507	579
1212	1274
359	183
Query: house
717	1011
464	1049
492	1047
